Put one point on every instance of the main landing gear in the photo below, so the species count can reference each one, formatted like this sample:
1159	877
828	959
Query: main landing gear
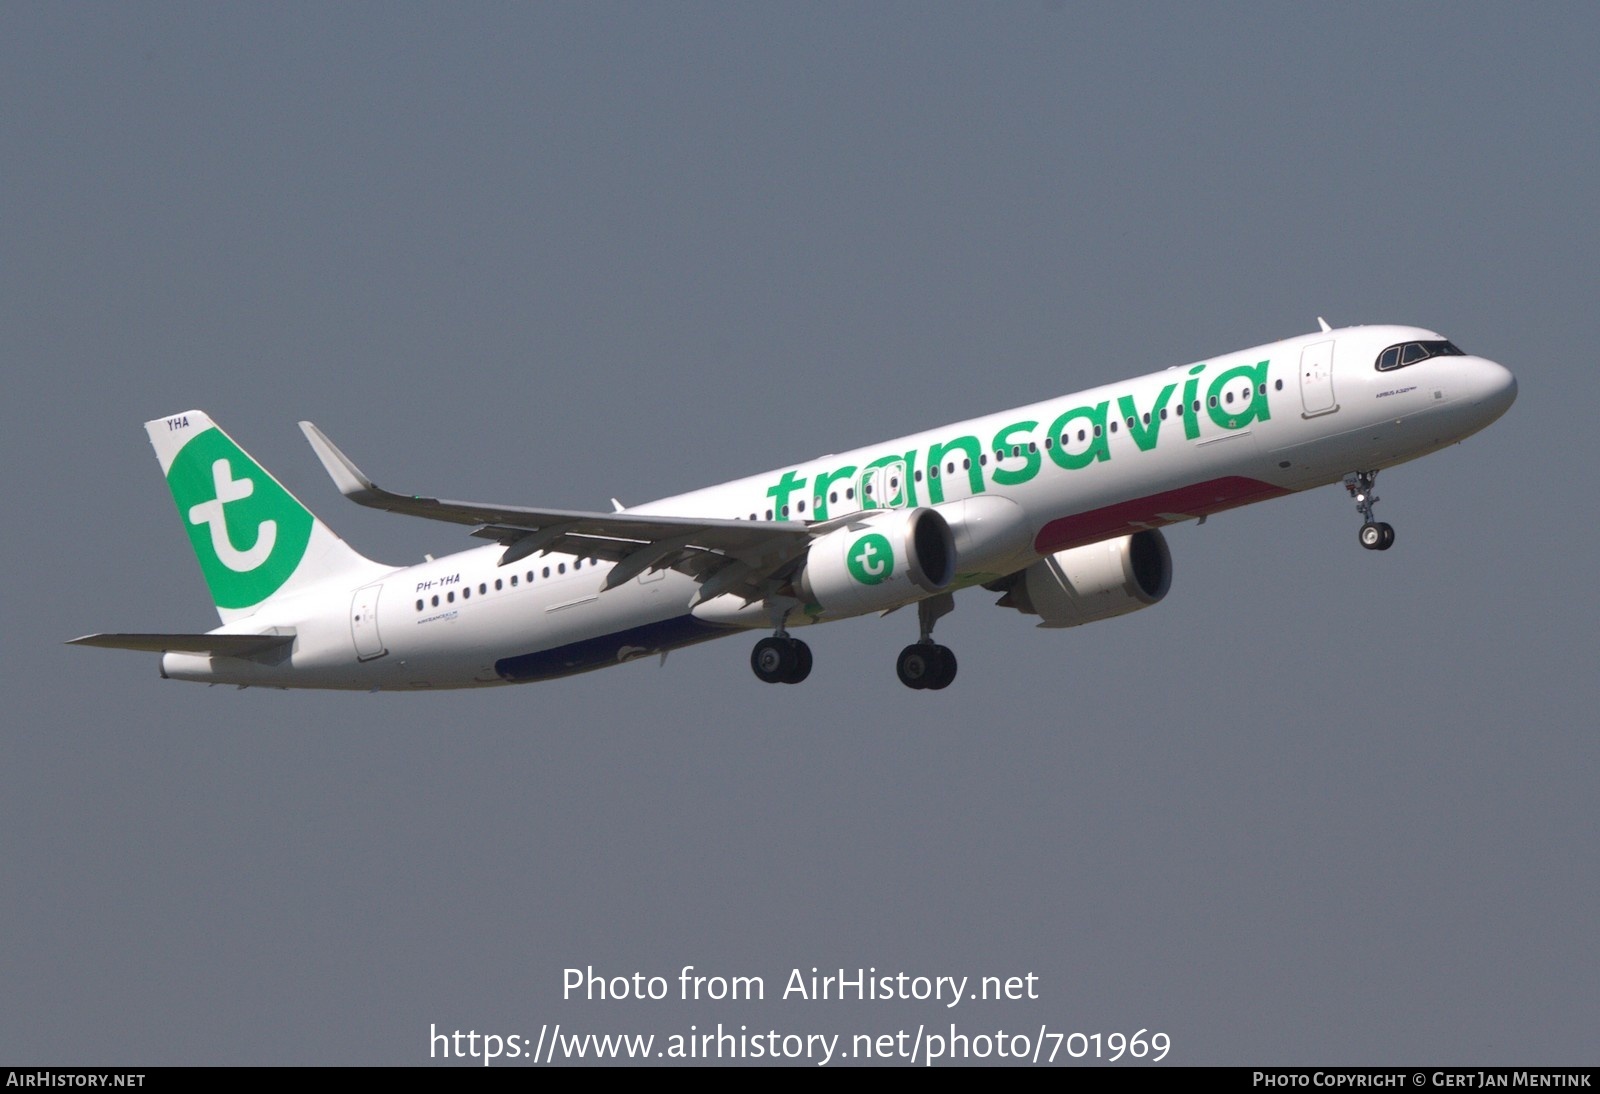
781	660
925	664
1375	534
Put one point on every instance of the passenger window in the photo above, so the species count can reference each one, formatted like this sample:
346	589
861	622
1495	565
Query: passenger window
419	605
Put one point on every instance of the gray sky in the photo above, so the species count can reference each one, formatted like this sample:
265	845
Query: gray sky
1319	806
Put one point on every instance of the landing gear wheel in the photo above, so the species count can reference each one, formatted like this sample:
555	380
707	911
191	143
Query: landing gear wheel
924	665
802	662
773	660
781	660
916	665
1377	536
947	669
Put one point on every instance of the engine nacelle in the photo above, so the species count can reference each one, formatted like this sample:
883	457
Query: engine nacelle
1097	581
881	561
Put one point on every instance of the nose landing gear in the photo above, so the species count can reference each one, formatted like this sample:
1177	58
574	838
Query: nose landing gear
1376	535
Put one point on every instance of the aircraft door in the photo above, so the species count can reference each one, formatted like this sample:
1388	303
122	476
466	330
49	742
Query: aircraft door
1316	379
364	623
884	487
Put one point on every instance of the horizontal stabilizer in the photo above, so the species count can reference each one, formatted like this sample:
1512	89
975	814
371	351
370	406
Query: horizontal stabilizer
217	645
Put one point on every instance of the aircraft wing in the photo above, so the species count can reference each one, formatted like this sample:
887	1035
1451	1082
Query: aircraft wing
725	555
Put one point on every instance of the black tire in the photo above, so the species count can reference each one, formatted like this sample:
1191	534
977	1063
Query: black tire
916	666
1372	536
1388	537
773	660
944	670
802	662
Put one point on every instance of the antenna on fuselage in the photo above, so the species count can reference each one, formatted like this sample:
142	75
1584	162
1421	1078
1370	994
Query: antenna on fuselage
1323	323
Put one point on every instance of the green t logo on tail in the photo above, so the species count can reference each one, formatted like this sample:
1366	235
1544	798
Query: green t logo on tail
248	532
870	559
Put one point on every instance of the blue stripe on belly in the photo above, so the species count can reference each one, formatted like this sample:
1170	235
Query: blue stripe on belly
608	649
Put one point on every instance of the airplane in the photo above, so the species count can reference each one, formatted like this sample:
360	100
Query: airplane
1058	506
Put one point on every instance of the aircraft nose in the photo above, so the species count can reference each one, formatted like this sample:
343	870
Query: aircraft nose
1493	387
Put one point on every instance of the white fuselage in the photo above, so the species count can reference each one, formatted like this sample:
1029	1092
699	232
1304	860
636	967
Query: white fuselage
1015	486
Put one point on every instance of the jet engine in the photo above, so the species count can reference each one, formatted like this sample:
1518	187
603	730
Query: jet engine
881	561
1093	582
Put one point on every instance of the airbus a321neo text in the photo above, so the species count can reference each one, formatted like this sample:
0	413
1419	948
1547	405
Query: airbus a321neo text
1057	506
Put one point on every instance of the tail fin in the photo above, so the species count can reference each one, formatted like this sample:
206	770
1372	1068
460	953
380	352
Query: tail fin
255	540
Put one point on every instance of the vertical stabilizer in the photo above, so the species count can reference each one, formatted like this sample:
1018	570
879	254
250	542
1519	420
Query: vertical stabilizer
254	540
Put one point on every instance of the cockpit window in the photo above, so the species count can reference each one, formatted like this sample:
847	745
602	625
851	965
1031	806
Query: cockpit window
1409	353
